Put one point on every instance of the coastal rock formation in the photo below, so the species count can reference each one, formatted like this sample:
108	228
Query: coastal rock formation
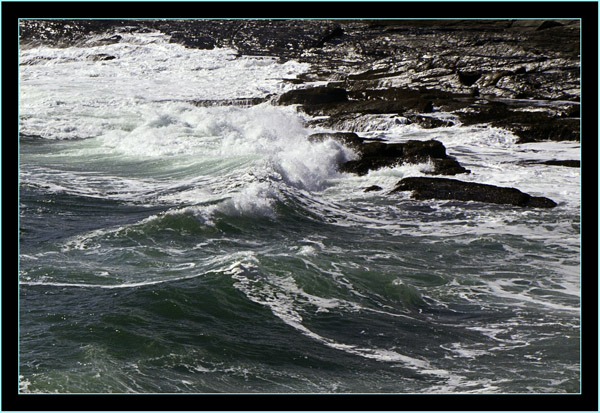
374	154
451	189
519	75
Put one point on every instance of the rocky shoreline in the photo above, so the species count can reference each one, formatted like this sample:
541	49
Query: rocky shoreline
519	75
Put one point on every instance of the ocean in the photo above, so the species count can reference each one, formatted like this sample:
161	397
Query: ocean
174	237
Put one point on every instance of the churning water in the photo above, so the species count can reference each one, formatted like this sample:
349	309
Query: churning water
170	246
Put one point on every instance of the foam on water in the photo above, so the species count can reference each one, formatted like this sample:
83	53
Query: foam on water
99	95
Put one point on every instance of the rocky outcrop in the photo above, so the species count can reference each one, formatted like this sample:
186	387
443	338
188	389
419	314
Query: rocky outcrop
519	75
451	189
469	68
558	124
373	188
314	96
375	154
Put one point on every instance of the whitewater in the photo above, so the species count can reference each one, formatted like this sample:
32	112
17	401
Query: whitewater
177	238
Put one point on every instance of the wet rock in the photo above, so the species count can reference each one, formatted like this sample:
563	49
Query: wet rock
349	139
238	102
429	122
548	24
468	78
399	67
313	96
373	188
450	189
194	41
107	40
555	162
377	155
529	126
100	57
329	36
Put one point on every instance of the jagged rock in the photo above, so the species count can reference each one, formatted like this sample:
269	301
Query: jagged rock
399	67
349	139
339	109
428	122
239	102
451	189
107	40
375	154
313	96
528	126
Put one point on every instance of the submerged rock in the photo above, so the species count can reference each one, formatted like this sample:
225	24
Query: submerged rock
570	163
451	189
373	188
100	57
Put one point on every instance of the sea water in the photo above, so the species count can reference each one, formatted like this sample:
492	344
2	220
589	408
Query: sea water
167	246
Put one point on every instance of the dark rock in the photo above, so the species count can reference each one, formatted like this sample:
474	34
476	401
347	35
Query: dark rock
377	155
528	126
555	162
447	166
568	163
349	139
108	40
313	96
426	107
393	101
238	102
540	202
370	74
329	36
373	188
521	70
100	57
451	189
423	149
468	78
572	112
339	109
192	41
548	24
428	122
398	67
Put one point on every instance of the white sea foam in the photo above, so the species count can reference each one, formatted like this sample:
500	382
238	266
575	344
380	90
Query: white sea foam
67	95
